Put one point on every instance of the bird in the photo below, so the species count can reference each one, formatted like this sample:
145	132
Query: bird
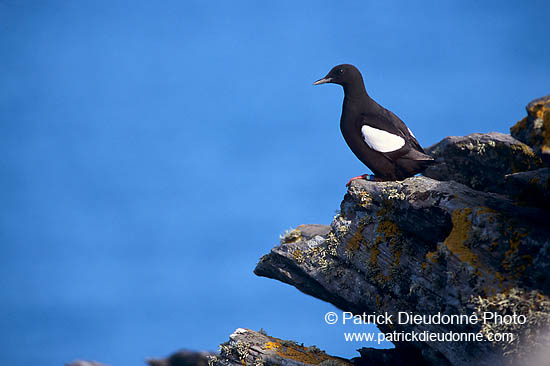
373	133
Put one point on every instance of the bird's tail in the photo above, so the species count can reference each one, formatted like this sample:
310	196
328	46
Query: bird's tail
417	156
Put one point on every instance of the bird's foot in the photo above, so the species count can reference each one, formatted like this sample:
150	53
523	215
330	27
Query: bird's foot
370	177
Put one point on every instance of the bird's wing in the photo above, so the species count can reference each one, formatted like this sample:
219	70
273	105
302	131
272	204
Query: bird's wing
381	135
396	121
380	140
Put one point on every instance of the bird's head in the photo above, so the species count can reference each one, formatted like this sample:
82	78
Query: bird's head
344	75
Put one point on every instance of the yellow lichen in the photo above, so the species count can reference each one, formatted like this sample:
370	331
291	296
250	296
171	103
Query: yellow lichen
355	241
526	260
271	345
520	126
291	236
432	257
387	231
397	257
387	228
484	210
524	149
307	355
457	239
373	254
539	113
298	256
532	161
546	129
514	244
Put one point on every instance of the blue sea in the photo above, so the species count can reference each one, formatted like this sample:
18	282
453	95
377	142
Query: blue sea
152	152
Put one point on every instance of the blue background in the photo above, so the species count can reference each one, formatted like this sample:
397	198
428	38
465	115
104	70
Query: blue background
153	151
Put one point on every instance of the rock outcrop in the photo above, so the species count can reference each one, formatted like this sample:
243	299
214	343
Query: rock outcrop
183	358
475	241
534	129
247	347
481	161
532	187
419	246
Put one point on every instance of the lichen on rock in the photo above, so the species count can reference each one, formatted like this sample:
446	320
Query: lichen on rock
531	336
423	246
247	347
481	161
534	129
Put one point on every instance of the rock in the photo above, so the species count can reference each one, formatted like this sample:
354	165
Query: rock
481	161
426	247
183	358
389	357
247	347
534	129
532	187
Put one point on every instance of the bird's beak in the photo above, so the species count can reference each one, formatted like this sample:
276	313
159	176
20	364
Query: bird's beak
323	81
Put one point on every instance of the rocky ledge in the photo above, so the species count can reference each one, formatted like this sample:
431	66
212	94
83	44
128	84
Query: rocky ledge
247	347
474	241
426	247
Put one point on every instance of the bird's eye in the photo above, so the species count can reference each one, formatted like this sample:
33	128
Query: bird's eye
341	71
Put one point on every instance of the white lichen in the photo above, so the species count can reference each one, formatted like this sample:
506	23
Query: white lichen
212	360
393	194
242	350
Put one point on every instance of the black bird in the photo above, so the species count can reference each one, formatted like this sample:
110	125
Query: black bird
375	135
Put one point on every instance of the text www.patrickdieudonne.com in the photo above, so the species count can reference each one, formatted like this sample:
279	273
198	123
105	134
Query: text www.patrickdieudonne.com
408	318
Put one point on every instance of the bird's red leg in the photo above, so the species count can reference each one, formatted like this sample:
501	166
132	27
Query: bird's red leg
364	176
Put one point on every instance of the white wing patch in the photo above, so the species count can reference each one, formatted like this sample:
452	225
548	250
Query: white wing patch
412	134
380	140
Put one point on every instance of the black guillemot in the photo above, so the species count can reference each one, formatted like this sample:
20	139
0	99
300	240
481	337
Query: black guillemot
374	134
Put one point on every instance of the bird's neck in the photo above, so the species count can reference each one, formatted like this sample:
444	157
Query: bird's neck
356	92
